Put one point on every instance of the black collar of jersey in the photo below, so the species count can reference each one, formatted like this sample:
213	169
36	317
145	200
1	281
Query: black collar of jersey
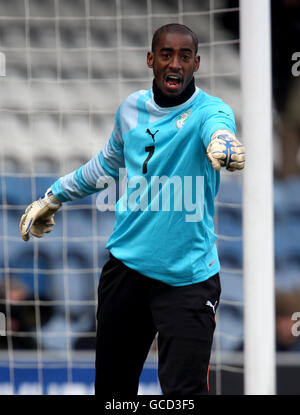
166	101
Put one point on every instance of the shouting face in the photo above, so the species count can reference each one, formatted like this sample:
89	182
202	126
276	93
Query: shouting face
174	62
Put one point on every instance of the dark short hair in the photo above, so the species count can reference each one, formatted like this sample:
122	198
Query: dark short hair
174	28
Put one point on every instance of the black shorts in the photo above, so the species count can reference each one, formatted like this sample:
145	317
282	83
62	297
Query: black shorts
132	309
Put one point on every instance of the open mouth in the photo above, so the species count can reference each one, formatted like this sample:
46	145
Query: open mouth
173	82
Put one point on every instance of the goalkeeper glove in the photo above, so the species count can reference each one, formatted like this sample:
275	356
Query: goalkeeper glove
225	150
39	216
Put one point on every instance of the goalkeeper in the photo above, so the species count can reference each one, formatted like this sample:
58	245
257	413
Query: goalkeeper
162	276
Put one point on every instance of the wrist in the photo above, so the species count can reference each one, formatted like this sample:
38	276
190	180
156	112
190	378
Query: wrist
223	133
51	200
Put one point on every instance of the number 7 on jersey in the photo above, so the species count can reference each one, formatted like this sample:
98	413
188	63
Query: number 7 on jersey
150	150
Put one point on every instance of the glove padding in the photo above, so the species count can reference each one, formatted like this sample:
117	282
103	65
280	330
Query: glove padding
39	216
225	150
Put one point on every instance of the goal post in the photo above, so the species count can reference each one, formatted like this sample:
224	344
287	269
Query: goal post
259	309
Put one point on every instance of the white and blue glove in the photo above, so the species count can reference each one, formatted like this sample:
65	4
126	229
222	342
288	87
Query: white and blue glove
225	150
39	216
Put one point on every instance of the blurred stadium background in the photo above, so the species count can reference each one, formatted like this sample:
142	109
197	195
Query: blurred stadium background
69	63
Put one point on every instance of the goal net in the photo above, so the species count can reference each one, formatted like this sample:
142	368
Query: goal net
69	63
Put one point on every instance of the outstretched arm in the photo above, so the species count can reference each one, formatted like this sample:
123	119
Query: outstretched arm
38	218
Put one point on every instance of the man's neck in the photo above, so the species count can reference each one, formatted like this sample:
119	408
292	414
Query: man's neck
166	101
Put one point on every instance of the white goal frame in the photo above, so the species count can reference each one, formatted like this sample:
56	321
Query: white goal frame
259	308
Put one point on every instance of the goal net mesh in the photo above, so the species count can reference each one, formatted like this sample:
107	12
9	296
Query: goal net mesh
69	63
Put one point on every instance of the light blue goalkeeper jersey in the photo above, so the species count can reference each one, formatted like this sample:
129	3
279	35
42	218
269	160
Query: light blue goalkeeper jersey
164	226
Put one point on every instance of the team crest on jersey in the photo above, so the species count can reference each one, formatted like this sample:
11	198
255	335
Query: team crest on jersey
181	119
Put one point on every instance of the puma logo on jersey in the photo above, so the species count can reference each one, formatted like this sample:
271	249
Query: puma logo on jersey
152	134
213	306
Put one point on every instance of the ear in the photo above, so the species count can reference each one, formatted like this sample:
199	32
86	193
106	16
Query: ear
197	63
150	58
